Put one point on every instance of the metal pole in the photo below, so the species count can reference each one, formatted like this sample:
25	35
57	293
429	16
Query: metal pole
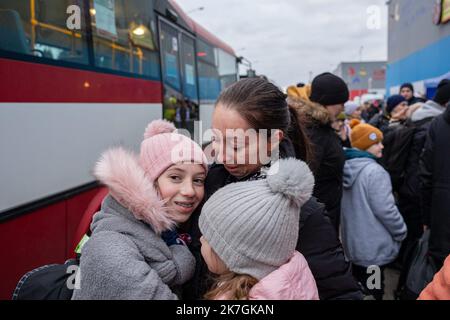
33	23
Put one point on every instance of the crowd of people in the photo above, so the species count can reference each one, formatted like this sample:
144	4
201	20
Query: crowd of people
307	224
396	178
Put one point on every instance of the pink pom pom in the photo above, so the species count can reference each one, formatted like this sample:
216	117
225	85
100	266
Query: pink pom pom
158	127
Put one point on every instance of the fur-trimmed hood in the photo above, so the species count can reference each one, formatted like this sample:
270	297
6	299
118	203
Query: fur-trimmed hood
309	110
127	182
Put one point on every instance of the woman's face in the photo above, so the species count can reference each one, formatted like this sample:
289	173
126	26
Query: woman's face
240	148
182	186
213	261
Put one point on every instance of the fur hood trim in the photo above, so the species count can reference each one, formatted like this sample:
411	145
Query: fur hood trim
310	110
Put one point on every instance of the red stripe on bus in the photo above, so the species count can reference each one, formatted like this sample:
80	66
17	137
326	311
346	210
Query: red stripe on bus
34	82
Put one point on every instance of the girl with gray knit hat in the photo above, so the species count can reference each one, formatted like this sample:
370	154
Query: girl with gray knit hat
250	231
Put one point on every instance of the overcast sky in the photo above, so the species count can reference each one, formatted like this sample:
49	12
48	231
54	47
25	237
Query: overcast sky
288	39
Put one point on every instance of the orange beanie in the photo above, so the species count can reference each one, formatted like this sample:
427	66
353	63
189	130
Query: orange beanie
363	135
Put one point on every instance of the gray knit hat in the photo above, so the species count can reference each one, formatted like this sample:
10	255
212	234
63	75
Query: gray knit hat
253	225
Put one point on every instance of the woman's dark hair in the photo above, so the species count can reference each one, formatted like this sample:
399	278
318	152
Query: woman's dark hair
263	105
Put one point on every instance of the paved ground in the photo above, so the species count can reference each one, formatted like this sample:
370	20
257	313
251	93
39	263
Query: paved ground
391	280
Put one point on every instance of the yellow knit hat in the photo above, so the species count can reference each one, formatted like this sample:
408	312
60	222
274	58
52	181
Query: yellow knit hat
364	135
296	92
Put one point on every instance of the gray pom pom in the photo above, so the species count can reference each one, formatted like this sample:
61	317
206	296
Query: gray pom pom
292	178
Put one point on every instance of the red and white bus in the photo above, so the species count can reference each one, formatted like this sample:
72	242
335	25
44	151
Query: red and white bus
67	95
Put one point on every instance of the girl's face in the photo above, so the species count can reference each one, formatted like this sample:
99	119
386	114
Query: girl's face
213	261
182	186
376	150
241	154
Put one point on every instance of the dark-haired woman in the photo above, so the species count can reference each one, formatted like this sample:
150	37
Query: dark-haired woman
256	105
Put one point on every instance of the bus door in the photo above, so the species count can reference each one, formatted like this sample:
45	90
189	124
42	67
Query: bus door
179	73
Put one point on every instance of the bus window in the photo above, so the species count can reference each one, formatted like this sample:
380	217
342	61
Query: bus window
39	28
208	75
169	56
188	113
188	68
206	53
124	36
227	69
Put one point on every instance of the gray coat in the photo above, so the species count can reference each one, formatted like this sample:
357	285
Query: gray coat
126	258
372	226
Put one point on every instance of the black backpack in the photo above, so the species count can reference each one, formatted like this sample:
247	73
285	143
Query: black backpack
49	282
418	271
397	144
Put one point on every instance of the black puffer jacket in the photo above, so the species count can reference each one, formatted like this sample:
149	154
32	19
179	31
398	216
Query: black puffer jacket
329	159
415	100
435	178
409	191
317	241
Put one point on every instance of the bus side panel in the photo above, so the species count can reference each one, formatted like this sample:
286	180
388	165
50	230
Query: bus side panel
42	237
30	241
35	82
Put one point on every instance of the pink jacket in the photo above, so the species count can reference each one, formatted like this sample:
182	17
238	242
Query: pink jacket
292	281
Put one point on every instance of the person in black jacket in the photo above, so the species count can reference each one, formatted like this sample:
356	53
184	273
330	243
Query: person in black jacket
435	187
328	95
395	113
257	104
407	91
409	192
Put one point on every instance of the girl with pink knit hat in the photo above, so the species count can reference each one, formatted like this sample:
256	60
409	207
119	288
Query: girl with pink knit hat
133	251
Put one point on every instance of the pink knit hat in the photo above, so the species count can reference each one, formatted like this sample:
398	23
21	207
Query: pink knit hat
162	147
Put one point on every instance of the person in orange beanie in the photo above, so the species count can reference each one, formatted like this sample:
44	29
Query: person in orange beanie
372	228
439	288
